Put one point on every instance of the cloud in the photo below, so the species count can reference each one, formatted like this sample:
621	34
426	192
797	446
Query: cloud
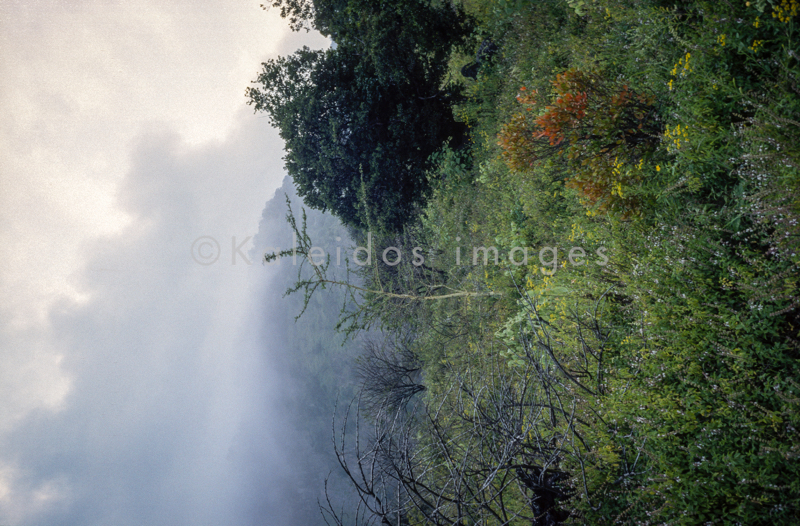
161	365
134	383
79	82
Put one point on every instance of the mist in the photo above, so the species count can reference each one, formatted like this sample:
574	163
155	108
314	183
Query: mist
185	400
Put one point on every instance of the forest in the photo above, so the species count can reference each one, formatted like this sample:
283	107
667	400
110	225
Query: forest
600	325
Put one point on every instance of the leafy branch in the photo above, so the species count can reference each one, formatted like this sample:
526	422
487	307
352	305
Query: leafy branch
355	314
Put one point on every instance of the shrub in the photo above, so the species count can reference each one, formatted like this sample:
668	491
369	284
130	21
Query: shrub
600	130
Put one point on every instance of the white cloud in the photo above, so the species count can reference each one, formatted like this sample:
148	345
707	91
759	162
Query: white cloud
161	360
80	81
124	137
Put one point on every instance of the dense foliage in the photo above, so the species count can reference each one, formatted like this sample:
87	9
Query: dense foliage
361	119
624	347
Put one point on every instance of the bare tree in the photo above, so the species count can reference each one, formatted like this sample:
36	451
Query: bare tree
485	451
381	499
502	443
391	373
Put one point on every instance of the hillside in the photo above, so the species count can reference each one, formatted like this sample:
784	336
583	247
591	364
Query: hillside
602	325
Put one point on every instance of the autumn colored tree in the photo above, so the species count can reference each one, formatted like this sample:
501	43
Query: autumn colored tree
601	130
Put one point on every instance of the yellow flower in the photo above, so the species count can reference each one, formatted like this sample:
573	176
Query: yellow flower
658	168
786	10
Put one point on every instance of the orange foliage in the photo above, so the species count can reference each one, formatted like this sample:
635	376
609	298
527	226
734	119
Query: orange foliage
603	129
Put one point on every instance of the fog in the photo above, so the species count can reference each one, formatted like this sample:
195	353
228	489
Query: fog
182	405
138	383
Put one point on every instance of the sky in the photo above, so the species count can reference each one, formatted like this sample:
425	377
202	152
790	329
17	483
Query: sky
130	367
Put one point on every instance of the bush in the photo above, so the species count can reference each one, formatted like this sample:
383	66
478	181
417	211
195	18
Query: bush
601	131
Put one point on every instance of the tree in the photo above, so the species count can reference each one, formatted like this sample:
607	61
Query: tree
483	452
503	441
361	120
391	373
360	309
598	130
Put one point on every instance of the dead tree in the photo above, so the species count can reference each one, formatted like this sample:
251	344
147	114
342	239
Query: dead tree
502	443
485	451
391	373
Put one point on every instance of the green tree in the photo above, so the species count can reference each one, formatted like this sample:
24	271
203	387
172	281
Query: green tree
360	120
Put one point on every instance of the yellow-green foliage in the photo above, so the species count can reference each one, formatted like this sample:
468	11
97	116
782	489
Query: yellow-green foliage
667	138
699	413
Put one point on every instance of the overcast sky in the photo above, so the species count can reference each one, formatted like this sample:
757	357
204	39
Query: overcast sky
127	369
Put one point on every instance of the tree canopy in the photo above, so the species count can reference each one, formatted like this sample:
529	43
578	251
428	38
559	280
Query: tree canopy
361	119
